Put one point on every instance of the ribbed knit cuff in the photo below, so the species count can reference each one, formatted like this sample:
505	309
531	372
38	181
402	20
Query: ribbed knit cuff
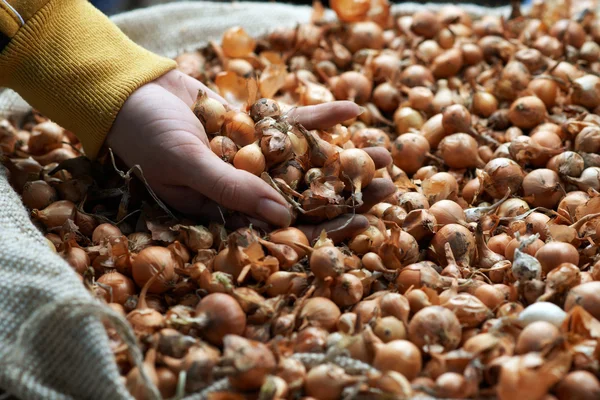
74	65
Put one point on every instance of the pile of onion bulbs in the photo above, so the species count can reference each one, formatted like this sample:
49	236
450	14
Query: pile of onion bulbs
479	277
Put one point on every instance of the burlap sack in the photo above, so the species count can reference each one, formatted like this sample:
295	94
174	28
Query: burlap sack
52	343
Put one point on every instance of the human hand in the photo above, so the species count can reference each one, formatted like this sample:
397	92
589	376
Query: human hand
157	130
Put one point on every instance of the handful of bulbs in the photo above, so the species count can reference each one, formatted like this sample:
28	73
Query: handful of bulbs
479	277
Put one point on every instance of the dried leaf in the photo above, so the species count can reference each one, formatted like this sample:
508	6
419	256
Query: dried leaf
161	231
324	191
592	206
233	88
562	233
531	376
272	79
581	323
271	57
252	89
318	12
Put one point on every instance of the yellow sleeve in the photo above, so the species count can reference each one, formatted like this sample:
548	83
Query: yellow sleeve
68	60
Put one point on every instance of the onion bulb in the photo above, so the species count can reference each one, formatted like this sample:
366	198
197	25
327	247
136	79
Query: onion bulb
250	158
435	329
527	112
150	262
209	111
460	151
409	152
400	356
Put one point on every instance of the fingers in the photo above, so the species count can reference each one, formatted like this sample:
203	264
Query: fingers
185	87
339	229
380	155
234	189
190	202
376	192
324	116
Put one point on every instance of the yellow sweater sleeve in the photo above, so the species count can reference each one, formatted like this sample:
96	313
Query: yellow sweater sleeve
68	60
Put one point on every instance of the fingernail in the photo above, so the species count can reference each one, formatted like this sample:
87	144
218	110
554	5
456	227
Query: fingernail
274	212
362	110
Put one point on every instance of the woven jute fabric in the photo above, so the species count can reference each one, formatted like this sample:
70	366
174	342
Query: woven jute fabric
52	341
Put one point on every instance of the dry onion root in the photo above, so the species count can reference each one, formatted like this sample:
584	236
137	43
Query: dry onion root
478	277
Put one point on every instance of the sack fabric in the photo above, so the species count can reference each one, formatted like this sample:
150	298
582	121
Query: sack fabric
52	341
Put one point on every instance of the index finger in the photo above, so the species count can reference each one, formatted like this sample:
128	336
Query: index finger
323	116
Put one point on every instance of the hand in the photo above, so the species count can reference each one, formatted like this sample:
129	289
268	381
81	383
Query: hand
157	130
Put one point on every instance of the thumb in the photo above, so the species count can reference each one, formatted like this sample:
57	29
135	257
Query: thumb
236	189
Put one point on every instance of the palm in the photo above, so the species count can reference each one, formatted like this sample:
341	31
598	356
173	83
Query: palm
157	130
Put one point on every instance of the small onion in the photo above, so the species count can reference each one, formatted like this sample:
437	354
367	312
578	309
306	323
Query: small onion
527	112
586	91
484	104
504	174
409	151
320	312
546	89
552	254
434	327
406	118
425	23
122	287
460	151
536	336
587	296
250	158
578	385
151	261
223	147
38	194
400	356
542	188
